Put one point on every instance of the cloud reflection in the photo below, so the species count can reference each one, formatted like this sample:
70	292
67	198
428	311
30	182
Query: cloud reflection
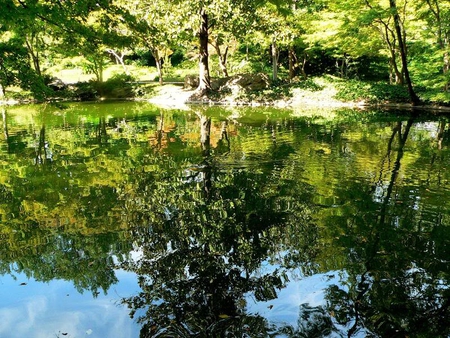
56	309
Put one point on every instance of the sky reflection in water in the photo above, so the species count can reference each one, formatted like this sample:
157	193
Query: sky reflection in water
57	309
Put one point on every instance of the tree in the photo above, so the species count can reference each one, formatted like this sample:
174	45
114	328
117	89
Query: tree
431	50
81	27
20	46
391	23
151	25
401	39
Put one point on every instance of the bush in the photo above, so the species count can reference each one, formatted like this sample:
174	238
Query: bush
84	91
119	86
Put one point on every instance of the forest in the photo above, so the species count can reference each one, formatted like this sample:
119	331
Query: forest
388	50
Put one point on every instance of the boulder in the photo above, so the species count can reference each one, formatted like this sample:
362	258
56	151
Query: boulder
57	84
191	82
216	84
234	84
247	82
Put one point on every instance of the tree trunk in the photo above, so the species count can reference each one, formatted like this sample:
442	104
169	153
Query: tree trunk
204	79
397	77
341	68
222	58
303	69
223	62
388	35
34	55
292	62
159	66
119	59
100	71
401	44
446	69
274	60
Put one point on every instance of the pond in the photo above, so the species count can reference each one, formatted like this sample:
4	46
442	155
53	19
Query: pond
122	219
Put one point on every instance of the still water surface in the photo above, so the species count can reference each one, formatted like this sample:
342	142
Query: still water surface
126	220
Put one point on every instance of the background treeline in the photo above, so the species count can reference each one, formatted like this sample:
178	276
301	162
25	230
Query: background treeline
399	43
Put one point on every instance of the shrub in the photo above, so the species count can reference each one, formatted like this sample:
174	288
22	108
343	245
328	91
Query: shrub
118	86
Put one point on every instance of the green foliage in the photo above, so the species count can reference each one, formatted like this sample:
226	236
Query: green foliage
118	86
434	96
15	70
371	92
308	84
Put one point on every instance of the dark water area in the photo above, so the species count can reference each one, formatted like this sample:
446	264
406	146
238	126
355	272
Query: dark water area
127	220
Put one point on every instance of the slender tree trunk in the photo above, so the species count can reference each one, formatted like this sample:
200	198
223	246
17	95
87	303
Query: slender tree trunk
204	78
292	62
100	71
401	43
34	55
159	66
446	69
303	69
119	59
397	77
274	60
2	92
222	59
341	67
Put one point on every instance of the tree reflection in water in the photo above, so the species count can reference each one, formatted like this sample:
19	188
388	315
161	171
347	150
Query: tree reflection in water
208	234
397	259
203	236
225	218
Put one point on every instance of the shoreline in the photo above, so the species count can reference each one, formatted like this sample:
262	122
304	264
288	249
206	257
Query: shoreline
172	100
177	97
